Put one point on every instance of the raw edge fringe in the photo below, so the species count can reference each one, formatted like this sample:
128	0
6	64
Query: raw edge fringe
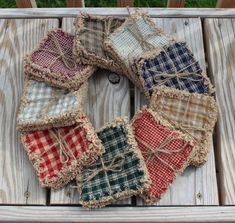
142	166
148	197
201	154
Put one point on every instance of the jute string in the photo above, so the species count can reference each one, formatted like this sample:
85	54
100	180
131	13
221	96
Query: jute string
57	50
154	152
65	152
116	165
177	74
186	128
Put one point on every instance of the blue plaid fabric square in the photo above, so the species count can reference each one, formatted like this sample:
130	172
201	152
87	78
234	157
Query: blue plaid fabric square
175	66
118	173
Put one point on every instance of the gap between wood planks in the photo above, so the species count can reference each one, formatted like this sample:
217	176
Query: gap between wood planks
216	129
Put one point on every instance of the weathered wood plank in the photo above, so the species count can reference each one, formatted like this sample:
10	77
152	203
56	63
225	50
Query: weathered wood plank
196	186
75	3
154	12
117	214
175	3
17	37
225	4
125	3
220	48
26	3
106	101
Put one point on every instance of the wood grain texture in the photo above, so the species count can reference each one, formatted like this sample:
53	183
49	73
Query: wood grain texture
225	4
125	3
115	214
175	3
220	48
196	186
17	37
26	3
105	102
154	12
75	3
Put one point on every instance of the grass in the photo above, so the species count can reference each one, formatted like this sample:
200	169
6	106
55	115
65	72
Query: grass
112	3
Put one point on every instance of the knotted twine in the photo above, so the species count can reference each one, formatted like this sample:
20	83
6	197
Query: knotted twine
154	152
180	126
141	39
65	153
113	167
108	26
57	50
177	74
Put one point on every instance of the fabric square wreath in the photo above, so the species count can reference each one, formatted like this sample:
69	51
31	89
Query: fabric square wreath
194	114
91	31
43	106
173	66
59	154
137	35
166	151
119	173
53	62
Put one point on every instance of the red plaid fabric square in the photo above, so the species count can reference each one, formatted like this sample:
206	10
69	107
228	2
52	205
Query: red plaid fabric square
166	151
54	63
59	154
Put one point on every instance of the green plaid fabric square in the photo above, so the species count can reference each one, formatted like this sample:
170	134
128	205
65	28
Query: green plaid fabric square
94	32
118	173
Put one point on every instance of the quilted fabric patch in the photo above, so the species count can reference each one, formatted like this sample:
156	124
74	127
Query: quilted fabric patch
91	32
166	151
43	106
59	154
191	113
173	66
119	173
54	63
137	35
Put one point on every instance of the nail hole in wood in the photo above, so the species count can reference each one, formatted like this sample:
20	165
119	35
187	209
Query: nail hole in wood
114	78
27	194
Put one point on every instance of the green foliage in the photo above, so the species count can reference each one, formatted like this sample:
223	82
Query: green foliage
112	3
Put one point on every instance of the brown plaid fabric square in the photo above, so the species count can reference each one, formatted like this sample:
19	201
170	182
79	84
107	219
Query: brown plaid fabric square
91	32
192	113
137	35
53	62
44	107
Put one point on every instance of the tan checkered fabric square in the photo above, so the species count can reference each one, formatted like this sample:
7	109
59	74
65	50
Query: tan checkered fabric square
91	32
192	113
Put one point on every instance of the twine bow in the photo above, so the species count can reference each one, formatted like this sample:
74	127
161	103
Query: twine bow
116	165
65	153
57	50
141	39
186	128
155	152
177	74
108	26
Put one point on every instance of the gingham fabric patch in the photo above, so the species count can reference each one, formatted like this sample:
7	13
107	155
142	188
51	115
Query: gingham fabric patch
117	174
58	154
193	114
95	29
42	102
165	151
136	36
53	61
91	32
174	66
